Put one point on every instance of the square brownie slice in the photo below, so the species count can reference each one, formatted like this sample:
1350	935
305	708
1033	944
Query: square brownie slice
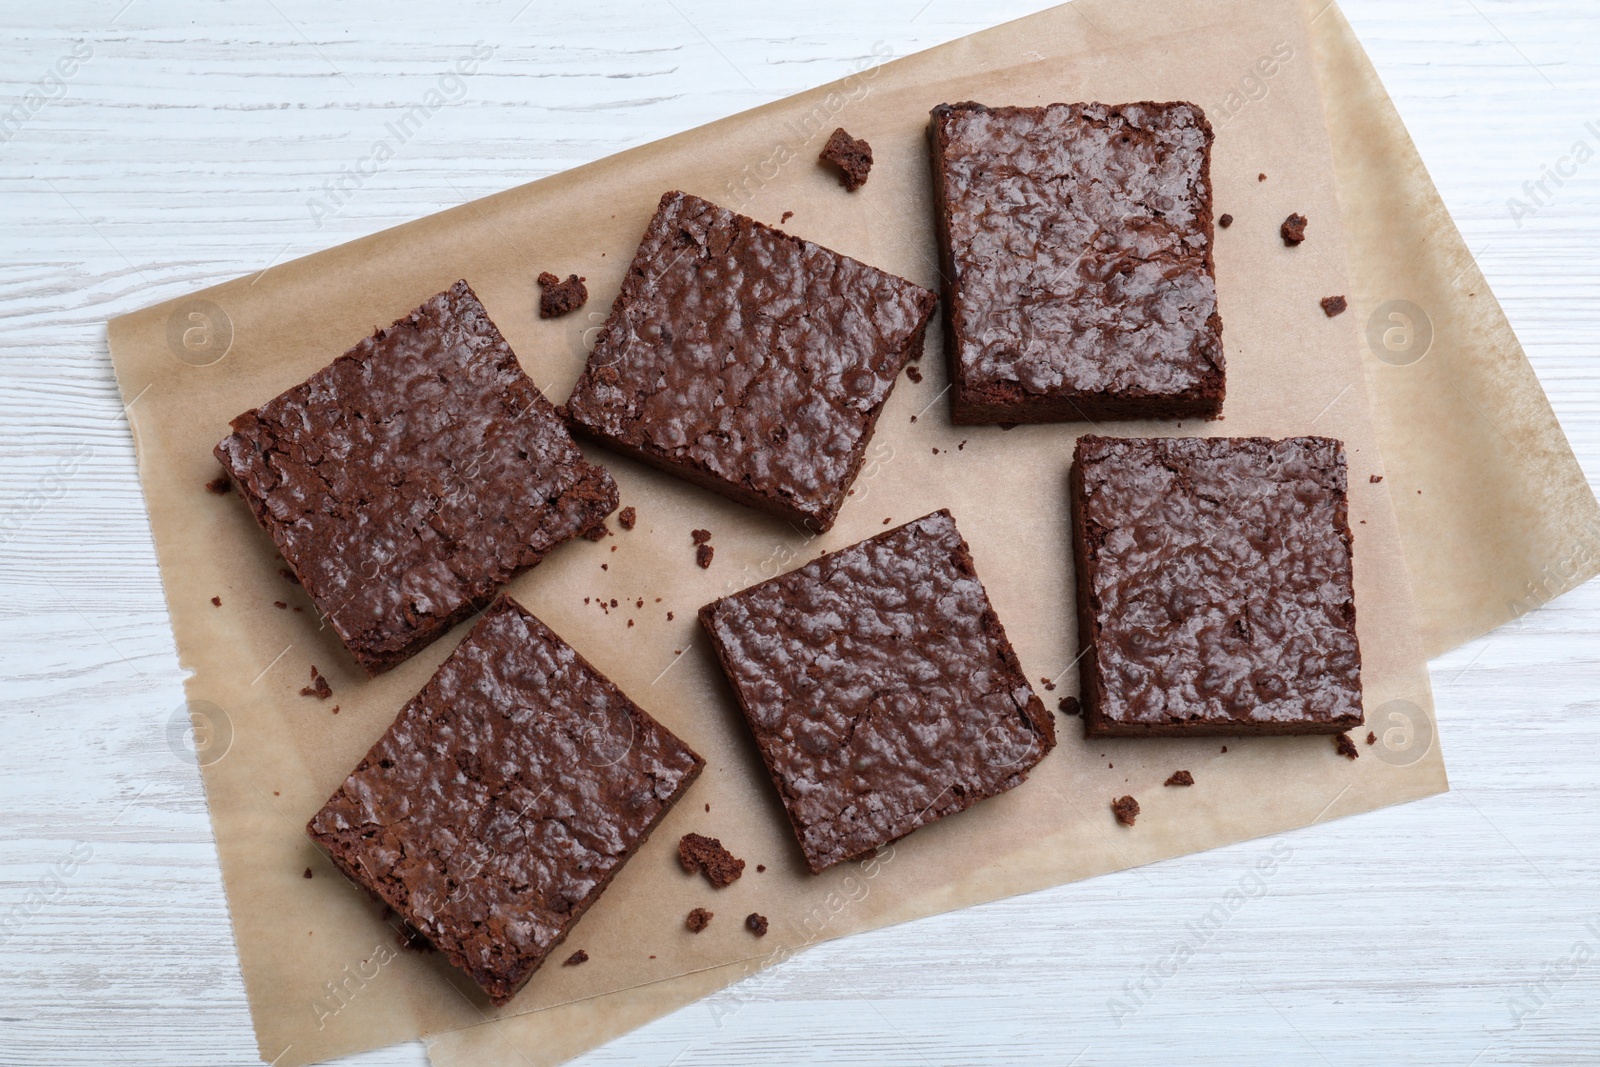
1076	249
1214	586
504	798
410	479
747	361
880	688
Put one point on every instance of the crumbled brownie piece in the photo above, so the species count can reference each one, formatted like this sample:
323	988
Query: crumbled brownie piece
700	536
576	958
1126	809
627	518
1345	746
913	373
1261	177
698	920
219	485
705	854
1225	220
1069	707
216	602
756	924
1293	229
307	874
1334	305
787	215
598	532
557	297
853	158
1180	778
1372	738
280	605
319	686
761	868
1375	479
703	554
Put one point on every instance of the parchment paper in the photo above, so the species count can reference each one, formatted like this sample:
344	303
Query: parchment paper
340	986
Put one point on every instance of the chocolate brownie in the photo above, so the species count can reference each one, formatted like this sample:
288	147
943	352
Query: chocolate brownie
756	923
698	920
880	688
1334	305
1076	243
851	155
557	297
410	479
697	852
1126	809
1293	230
747	361
1214	586
504	798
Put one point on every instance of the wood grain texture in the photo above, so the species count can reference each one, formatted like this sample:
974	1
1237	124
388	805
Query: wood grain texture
185	150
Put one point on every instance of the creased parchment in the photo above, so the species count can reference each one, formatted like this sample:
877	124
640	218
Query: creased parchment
321	968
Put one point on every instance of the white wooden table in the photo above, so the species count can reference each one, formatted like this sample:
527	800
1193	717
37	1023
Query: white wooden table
184	150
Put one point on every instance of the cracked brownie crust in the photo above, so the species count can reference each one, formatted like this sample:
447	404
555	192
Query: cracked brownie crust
409	480
1076	243
880	688
504	798
747	361
1214	586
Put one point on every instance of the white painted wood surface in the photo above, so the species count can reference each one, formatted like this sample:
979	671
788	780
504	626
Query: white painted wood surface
184	150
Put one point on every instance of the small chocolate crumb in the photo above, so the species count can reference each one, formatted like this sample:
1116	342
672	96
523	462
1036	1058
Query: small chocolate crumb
219	485
576	958
1224	749
1375	479
280	605
630	623
669	616
700	536
703	554
1345	746
698	920
627	518
756	924
787	215
557	297
216	602
1261	177
697	852
708	809
913	373
319	686
1334	305
962	446
1180	778
1372	738
1069	707
1049	686
1126	809
336	709
1293	229
1225	221
307	874
853	157
598	532
761	868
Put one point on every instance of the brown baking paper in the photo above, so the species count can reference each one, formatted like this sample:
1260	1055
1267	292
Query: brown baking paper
320	964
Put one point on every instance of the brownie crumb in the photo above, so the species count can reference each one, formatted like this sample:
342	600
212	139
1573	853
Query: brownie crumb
761	868
557	297
706	854
700	536
1069	707
1126	809
1225	221
1224	749
627	518
307	874
698	920
1375	479
336	709
1293	229
1372	738
216	602
1049	686
962	446
853	158
319	686
669	616
598	532
1261	177
787	215
703	554
219	485
576	958
913	373
1180	778
1345	746
1334	305
756	924
280	605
